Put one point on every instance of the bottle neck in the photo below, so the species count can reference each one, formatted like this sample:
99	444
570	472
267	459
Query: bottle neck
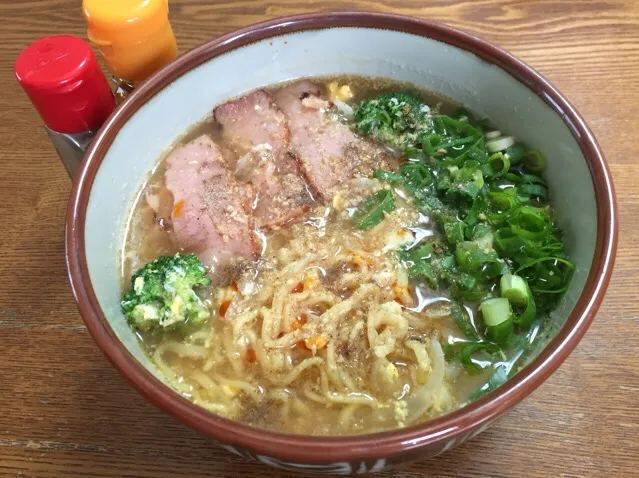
123	88
71	147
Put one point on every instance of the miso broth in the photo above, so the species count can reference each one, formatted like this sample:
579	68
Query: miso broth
366	257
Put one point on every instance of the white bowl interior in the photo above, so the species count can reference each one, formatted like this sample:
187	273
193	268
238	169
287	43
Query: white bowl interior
455	73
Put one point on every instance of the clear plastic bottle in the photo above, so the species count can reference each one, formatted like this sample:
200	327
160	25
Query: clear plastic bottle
62	78
134	37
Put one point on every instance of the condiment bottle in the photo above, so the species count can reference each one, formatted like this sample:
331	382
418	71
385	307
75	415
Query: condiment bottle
63	80
134	37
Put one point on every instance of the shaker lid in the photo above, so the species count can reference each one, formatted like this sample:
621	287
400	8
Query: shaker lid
63	79
129	20
134	36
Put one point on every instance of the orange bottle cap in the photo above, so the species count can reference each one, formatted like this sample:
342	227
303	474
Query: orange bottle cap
134	36
114	21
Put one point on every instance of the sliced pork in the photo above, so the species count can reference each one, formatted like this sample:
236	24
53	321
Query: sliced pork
251	120
329	152
208	215
281	193
259	130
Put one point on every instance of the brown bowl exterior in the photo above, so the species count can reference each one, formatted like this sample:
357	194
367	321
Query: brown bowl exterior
356	454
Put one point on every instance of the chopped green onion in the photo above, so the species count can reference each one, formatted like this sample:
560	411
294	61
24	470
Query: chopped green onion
462	126
536	190
545	275
532	179
446	262
476	152
425	270
515	153
535	160
501	334
509	244
465	189
512	177
503	201
498	318
528	315
373	210
428	204
472	259
495	311
485	241
515	289
463	324
415	175
477	211
481	232
456	142
500	144
453	171
530	222
464	351
413	153
454	232
486	194
467	282
422	253
465	356
430	144
468	170
496	380
387	176
498	164
478	179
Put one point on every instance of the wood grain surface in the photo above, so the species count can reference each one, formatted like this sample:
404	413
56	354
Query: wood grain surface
64	412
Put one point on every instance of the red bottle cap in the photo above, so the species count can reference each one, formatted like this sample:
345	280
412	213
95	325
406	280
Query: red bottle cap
62	77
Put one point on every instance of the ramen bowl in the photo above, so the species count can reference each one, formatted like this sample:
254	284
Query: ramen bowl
484	78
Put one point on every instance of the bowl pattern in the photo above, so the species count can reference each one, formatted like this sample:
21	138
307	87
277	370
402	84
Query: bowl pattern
357	467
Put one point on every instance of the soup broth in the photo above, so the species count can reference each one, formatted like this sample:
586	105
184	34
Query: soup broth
331	325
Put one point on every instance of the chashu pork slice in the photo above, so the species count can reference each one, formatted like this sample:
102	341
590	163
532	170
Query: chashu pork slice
259	132
328	151
251	120
209	214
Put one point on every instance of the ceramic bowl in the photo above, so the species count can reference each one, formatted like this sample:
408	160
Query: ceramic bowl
477	74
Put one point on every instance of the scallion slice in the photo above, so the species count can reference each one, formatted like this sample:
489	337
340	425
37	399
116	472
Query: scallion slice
500	144
498	318
498	164
388	176
515	289
535	160
495	311
496	380
464	324
454	232
467	351
536	190
373	210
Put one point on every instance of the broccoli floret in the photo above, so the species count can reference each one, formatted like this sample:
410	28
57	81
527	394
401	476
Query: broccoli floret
162	294
395	119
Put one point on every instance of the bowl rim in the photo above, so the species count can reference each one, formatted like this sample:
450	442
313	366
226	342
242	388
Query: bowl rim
309	449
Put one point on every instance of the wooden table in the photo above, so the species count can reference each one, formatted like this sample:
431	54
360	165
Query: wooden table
65	412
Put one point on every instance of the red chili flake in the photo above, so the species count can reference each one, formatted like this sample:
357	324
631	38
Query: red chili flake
298	322
223	308
251	356
177	209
